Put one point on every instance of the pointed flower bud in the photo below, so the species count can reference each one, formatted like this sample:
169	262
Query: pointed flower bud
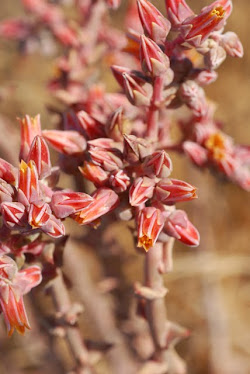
91	127
194	97
153	60
7	172
196	153
28	183
109	160
54	227
105	200
66	142
119	181
115	126
179	226
14	214
171	191
39	214
135	93
141	190
158	165
65	203
155	25
232	44
118	72
39	153
94	173
135	149
214	57
197	29
178	11
13	285
30	128
150	223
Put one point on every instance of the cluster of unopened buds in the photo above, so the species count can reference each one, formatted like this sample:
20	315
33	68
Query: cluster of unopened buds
118	141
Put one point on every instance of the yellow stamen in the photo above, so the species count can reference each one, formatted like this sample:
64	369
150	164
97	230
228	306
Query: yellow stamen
145	242
218	12
216	145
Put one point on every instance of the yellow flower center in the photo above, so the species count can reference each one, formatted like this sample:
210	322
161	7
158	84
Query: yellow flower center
216	145
218	12
145	242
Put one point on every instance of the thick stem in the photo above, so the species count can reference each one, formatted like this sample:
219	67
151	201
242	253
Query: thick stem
153	112
75	342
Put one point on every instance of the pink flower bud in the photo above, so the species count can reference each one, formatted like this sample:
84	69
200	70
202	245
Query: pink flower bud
197	29
135	149
232	45
155	25
64	203
179	226
196	152
30	128
153	60
66	142
214	57
39	214
204	77
105	200
194	97
108	160
6	191
54	227
94	173
119	181
135	93
178	11
158	165
141	190
116	125
28	183
7	172
39	153
150	223
171	191
14	214
91	127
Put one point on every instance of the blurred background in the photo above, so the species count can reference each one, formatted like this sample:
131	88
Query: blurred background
209	289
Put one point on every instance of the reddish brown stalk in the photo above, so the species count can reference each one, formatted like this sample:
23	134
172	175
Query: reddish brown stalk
153	112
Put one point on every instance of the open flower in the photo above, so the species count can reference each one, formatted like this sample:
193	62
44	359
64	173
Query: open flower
150	222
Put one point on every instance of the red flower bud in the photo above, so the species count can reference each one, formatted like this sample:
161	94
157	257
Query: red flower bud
150	222
39	153
155	25
7	172
141	190
66	142
105	200
108	160
64	203
171	191
30	128
91	127
39	214
6	191
158	165
54	227
179	226
94	173
14	214
28	183
178	11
